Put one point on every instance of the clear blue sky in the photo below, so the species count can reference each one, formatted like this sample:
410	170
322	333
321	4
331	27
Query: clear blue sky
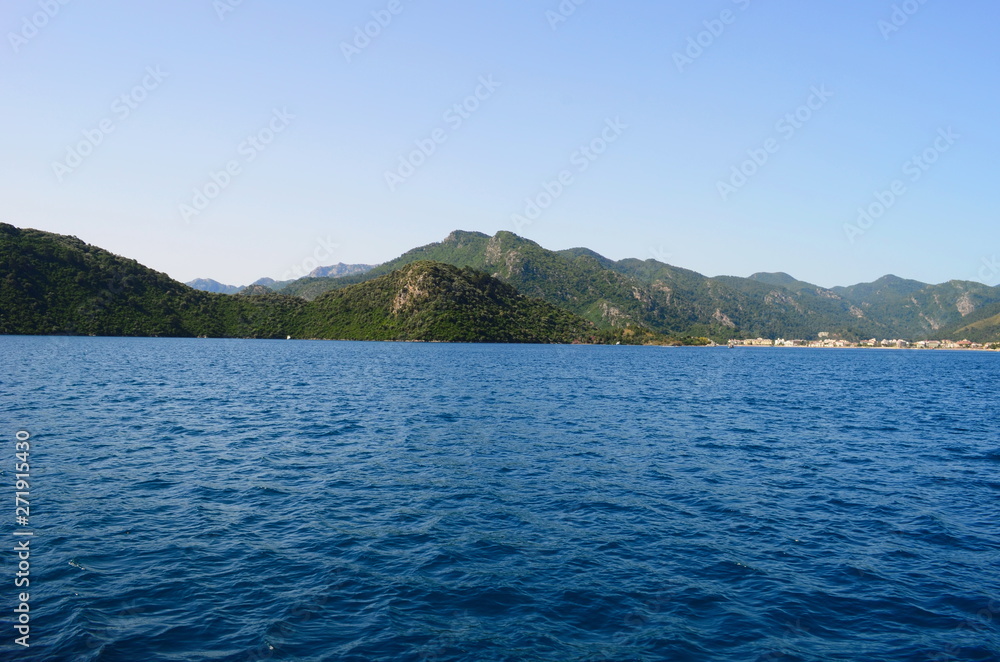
654	191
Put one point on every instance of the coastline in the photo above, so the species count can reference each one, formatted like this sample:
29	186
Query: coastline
855	346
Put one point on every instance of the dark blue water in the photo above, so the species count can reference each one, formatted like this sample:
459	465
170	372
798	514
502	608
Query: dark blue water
251	500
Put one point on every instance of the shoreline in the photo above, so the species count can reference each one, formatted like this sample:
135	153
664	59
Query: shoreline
493	342
903	349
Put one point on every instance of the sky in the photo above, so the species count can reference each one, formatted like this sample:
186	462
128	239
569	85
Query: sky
837	141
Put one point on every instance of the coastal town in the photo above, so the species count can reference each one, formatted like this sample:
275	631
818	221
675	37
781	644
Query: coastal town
826	341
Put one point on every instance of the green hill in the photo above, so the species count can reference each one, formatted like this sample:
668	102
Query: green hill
677	301
911	309
578	283
647	293
984	331
983	326
54	284
782	279
434	301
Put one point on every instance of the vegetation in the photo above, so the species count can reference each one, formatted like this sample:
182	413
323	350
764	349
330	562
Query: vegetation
984	329
679	302
473	288
433	301
52	284
914	310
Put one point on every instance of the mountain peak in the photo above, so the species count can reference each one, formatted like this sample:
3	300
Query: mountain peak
458	236
781	279
209	285
774	278
339	269
890	279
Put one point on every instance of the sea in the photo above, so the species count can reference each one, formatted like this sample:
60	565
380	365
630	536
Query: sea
244	500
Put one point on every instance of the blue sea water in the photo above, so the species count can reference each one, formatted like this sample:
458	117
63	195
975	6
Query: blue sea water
260	500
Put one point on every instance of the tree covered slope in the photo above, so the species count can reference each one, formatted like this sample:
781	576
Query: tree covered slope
54	284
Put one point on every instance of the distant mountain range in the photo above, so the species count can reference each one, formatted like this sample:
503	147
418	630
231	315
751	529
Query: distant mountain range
339	270
472	287
209	285
334	271
674	301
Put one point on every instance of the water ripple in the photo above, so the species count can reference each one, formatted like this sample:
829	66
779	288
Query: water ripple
238	501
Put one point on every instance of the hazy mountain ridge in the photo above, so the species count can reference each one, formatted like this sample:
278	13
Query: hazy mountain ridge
333	271
214	286
340	270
